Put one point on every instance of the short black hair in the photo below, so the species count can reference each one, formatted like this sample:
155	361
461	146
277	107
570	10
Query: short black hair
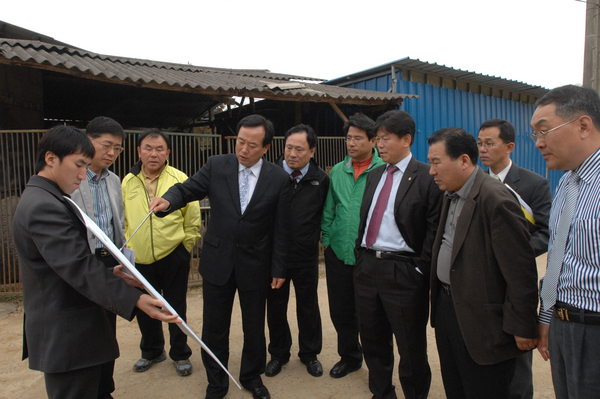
311	136
458	142
255	120
62	140
571	100
154	132
362	122
507	130
397	122
103	124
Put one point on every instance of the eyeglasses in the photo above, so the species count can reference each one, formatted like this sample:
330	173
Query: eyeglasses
542	133
486	144
116	148
356	139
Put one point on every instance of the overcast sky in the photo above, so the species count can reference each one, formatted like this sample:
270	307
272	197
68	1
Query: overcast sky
538	42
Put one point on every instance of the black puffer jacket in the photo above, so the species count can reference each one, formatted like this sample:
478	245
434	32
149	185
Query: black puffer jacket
308	197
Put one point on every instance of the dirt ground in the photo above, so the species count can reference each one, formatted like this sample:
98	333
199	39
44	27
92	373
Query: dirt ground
161	381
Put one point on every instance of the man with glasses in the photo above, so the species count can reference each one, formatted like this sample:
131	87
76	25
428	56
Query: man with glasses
99	196
162	246
496	141
566	127
340	229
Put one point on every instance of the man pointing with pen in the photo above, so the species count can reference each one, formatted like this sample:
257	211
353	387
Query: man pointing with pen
244	247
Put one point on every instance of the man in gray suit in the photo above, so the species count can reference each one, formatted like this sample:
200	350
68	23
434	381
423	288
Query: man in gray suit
66	289
99	196
496	141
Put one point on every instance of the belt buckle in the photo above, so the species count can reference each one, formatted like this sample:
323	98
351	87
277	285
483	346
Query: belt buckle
378	254
562	314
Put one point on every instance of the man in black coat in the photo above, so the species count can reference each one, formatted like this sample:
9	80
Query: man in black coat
398	221
496	141
66	288
309	188
244	247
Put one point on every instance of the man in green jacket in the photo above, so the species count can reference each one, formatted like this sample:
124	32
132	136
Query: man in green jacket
341	216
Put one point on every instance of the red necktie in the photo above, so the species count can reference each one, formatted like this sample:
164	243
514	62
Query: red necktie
380	205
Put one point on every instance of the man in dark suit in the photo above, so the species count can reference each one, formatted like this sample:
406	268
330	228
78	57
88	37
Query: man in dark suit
496	141
66	288
309	188
483	277
244	249
398	218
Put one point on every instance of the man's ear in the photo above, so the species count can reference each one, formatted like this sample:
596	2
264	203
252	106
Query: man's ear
51	158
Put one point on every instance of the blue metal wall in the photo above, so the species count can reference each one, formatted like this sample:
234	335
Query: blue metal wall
437	108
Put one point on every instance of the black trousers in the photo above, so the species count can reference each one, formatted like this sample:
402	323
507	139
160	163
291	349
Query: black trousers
76	384
169	276
342	308
521	384
310	338
107	383
391	298
217	307
462	377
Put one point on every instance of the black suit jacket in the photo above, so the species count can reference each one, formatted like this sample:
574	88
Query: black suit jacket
493	274
534	190
417	209
254	243
65	287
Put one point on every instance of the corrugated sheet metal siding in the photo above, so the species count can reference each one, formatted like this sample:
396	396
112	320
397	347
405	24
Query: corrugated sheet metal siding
439	107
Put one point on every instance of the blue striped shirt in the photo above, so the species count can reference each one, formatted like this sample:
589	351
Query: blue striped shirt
579	279
102	208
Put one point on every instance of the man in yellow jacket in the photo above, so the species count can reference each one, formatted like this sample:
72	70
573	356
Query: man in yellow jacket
162	246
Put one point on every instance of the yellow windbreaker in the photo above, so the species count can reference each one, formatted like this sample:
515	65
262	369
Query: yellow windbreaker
157	237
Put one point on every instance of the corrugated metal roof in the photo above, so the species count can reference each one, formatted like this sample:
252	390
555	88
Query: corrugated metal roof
444	71
190	78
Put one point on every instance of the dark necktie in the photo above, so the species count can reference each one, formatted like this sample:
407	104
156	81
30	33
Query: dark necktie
380	205
294	175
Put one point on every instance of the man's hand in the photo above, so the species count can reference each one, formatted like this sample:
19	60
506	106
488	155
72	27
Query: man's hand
276	283
525	344
543	330
153	308
121	271
159	204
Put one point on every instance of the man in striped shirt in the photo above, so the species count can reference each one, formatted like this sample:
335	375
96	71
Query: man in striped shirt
99	196
566	130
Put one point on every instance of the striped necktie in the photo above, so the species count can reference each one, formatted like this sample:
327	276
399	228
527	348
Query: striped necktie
559	245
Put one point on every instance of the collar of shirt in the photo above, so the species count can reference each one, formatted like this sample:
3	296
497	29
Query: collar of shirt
403	164
464	191
503	172
303	171
93	176
590	168
255	169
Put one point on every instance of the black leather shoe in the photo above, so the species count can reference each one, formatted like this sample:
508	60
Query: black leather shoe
259	392
274	367
342	368
144	364
314	367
